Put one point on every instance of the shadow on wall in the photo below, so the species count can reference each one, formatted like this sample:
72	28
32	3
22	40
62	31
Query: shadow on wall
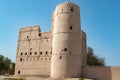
97	72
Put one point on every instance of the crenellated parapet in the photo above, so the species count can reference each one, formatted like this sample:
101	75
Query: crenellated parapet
33	33
102	72
31	28
97	67
34	47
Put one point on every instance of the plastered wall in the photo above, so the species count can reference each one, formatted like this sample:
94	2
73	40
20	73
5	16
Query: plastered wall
102	73
66	46
33	52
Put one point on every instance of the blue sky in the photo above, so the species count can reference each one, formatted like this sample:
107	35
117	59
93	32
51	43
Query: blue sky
100	19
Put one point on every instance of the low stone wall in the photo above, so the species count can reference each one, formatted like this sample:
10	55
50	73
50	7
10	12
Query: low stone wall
102	73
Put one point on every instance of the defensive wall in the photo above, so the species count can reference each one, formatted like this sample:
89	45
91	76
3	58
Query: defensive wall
101	73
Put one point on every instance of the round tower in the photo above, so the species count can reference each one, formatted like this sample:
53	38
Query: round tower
66	46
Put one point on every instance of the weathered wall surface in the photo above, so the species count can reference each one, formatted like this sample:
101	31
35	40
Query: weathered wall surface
66	46
97	72
33	52
102	73
115	73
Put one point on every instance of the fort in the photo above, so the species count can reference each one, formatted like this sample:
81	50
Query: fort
61	52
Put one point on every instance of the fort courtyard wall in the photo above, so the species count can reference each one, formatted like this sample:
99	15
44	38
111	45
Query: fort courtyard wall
101	73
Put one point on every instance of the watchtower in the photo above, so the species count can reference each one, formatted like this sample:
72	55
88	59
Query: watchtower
66	45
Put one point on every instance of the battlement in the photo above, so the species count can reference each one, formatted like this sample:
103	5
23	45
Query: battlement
102	72
67	7
33	33
46	35
112	67
97	66
31	28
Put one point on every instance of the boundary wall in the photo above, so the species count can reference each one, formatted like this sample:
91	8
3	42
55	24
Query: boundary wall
101	72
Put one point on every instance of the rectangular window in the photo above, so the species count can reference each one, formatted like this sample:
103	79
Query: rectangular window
30	53
35	53
39	34
65	49
26	53
70	27
40	53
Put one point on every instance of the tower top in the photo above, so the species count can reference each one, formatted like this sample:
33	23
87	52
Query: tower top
67	7
68	3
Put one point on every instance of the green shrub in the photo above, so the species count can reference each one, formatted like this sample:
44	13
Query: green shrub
81	79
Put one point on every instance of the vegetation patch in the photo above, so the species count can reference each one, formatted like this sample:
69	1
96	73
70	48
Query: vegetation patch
14	79
81	79
6	66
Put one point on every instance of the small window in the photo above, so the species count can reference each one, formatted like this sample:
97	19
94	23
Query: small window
35	53
30	53
27	36
46	52
20	59
26	53
19	72
39	34
40	53
21	53
60	57
70	27
65	49
71	9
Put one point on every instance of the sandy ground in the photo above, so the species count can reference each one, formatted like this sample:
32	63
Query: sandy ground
38	78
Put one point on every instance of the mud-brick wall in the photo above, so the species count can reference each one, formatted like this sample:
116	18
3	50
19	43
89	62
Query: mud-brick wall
102	73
